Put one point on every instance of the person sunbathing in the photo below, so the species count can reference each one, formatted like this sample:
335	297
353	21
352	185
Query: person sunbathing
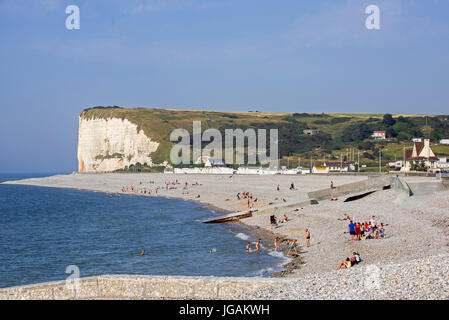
345	218
381	230
356	259
345	264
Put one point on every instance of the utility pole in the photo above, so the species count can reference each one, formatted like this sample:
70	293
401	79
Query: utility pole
380	160
341	160
358	161
403	163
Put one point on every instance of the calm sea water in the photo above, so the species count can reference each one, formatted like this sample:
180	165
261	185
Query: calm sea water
44	230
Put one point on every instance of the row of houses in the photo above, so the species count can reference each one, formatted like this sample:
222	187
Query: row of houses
382	135
421	156
327	167
240	170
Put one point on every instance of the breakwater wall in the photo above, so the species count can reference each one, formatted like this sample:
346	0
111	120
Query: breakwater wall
141	287
368	185
401	186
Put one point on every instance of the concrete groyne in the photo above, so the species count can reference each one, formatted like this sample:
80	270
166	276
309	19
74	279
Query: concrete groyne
351	189
141	287
401	186
270	208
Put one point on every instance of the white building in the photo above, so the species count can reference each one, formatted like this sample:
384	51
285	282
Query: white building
339	166
295	171
202	159
316	169
311	132
444	141
421	154
443	163
213	162
379	135
210	170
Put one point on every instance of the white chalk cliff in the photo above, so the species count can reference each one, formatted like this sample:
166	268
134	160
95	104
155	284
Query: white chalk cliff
105	145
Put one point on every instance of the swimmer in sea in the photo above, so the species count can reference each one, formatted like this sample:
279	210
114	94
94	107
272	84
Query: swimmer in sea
248	247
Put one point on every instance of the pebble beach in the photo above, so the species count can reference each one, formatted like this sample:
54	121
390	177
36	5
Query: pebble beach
410	262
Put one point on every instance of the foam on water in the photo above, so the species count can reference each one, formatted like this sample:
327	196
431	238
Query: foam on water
264	272
243	236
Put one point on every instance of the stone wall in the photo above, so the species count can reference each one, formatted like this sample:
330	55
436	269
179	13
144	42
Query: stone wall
141	287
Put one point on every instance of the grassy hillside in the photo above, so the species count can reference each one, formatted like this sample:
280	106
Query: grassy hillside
339	134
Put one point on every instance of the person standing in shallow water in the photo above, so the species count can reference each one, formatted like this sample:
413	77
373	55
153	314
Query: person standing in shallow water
276	244
292	247
307	237
258	246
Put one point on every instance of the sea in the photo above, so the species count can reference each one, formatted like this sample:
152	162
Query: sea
47	233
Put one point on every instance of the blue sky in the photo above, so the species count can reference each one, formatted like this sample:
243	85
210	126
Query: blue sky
228	55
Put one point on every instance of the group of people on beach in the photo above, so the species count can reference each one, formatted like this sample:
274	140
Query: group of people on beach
274	221
250	199
146	190
257	249
366	230
291	248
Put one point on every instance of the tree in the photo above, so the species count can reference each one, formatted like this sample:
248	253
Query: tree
356	133
368	156
391	133
388	120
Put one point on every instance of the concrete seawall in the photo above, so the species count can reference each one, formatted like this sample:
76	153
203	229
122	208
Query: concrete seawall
141	287
368	185
270	208
401	186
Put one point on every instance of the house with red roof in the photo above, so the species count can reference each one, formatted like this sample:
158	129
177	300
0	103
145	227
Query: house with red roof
421	155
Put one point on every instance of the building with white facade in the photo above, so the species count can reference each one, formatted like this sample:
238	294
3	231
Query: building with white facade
421	155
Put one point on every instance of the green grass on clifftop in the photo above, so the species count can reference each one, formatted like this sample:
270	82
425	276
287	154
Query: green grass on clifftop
338	132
